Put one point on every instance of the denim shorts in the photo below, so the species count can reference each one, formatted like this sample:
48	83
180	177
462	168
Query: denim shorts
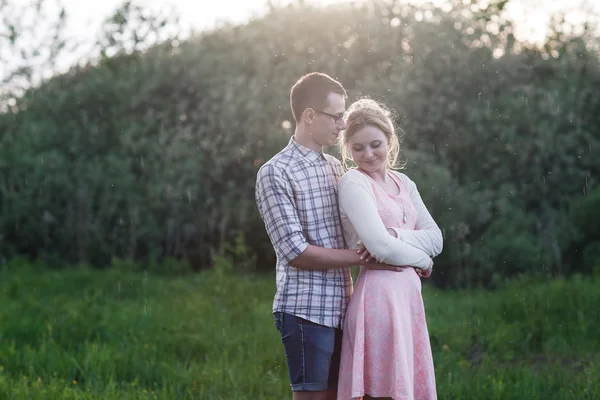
312	352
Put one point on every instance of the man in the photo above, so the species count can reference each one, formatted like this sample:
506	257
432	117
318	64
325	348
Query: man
296	195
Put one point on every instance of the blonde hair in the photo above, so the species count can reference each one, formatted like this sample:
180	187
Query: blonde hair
368	112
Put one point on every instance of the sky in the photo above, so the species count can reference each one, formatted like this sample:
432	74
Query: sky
84	18
532	14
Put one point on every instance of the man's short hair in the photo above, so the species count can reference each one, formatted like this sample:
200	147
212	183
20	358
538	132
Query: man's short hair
311	91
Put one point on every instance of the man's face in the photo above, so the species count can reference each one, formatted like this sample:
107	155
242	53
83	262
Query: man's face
329	121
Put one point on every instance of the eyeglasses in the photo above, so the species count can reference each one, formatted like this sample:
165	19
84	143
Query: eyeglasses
337	118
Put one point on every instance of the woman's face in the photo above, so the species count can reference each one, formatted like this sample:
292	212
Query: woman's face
369	149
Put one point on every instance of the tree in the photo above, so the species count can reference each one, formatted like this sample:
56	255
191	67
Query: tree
133	27
32	38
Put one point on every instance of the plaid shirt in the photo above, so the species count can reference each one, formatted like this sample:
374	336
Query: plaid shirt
296	195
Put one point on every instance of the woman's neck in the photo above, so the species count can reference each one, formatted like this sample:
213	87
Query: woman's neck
378	176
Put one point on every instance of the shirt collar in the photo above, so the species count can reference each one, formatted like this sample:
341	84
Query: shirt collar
309	154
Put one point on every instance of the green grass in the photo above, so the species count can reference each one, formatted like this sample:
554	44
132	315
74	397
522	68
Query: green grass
86	334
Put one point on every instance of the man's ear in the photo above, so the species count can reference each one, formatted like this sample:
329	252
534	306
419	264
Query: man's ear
308	115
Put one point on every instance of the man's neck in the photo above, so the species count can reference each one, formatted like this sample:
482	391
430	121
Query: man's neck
303	138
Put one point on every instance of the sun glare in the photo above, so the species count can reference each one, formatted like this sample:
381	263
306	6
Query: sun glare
531	17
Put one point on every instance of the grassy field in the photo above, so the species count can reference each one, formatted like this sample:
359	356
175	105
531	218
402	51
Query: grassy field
85	334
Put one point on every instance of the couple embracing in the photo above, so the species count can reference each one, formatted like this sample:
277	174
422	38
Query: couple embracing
343	342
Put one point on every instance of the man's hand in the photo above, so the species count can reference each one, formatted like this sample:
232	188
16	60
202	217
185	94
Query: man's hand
371	263
376	265
364	254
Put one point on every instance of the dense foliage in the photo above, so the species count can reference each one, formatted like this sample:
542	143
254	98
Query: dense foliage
154	153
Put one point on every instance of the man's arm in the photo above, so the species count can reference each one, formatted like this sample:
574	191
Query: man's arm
315	257
276	205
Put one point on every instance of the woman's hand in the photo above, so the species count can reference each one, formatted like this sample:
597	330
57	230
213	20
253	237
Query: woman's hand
427	272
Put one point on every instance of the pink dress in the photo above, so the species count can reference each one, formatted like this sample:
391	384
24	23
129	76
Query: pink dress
385	346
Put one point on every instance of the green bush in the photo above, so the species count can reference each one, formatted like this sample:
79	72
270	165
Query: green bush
154	154
581	237
510	246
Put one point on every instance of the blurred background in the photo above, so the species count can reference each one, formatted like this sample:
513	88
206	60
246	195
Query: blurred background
130	138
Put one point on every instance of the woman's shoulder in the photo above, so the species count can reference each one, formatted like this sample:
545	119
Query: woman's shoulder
353	175
405	179
354	178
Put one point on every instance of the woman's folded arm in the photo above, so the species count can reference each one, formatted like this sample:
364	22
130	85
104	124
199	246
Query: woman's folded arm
358	204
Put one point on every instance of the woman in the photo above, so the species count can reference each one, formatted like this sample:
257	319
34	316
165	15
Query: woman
385	346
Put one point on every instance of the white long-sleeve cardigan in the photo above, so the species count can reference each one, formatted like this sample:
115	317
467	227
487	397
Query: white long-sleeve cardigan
362	223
